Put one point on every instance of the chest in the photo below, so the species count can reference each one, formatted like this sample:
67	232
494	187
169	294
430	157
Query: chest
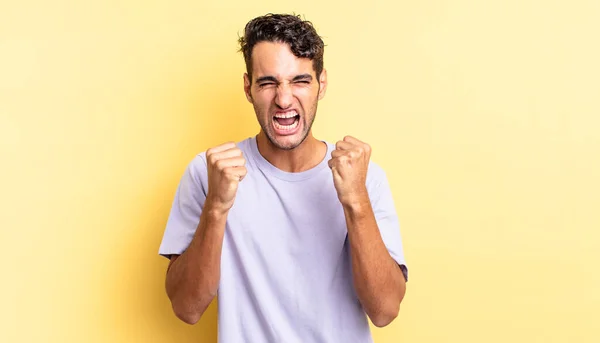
279	218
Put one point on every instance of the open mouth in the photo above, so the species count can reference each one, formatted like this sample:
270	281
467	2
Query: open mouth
287	121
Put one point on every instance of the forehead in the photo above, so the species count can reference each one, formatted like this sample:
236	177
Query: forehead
277	59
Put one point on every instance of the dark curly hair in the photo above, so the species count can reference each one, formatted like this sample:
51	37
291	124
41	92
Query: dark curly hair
299	34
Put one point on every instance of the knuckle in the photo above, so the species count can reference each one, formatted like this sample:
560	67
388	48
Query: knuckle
210	159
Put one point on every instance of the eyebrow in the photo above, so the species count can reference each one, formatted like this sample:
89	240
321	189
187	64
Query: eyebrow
266	78
300	77
307	77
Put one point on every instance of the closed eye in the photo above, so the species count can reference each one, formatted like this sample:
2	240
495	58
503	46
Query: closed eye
303	79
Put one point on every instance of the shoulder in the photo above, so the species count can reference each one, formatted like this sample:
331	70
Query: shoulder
246	145
376	175
196	170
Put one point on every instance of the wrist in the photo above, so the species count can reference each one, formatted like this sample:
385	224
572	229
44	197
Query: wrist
356	202
214	209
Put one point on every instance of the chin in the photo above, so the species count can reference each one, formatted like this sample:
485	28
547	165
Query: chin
286	145
288	142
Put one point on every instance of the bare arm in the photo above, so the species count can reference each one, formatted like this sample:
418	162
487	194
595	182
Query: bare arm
378	280
193	277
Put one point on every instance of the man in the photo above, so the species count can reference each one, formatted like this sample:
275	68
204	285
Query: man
298	237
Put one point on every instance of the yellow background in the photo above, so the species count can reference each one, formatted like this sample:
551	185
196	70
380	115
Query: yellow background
485	114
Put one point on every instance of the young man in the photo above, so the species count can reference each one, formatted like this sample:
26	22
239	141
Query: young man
298	237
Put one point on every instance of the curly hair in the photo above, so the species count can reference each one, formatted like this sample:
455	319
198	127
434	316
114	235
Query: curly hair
299	34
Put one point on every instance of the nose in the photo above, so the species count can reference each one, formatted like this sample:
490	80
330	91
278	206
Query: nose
284	96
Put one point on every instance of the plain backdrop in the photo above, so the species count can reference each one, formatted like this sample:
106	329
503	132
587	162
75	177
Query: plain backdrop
484	114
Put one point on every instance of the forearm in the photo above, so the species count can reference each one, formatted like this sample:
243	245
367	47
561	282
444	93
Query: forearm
378	279
193	278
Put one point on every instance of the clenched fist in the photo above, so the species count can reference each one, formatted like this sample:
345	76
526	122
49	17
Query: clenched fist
349	164
226	169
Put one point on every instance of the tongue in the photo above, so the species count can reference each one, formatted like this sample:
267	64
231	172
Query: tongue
286	121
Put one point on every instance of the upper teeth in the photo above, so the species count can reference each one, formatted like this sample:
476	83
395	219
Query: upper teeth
286	115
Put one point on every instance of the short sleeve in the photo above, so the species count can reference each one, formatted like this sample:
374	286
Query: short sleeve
185	209
387	219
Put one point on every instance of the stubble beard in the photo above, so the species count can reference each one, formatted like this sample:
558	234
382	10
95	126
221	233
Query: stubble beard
306	128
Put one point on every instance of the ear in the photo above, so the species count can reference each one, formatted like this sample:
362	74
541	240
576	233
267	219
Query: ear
322	84
247	87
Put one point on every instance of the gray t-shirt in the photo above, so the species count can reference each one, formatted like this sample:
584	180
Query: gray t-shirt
285	264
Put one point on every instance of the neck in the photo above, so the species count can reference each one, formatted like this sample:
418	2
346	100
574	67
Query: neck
304	157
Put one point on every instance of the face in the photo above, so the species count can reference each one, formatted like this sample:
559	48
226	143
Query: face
284	92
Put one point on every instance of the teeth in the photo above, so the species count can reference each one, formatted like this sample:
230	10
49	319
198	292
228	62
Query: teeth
286	115
286	127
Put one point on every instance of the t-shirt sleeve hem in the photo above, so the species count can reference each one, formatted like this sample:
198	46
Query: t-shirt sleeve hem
403	266
167	253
